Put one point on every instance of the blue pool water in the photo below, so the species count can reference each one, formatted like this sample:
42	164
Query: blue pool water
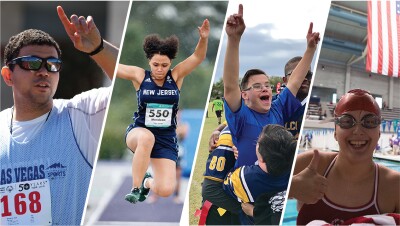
290	213
291	210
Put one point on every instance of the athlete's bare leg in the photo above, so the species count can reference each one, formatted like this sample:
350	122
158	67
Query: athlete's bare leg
141	142
164	179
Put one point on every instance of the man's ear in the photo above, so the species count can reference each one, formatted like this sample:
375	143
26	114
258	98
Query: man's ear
6	74
285	79
244	95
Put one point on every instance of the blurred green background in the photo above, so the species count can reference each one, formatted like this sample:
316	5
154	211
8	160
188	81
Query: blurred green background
165	19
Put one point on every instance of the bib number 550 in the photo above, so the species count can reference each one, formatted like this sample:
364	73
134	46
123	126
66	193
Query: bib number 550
158	113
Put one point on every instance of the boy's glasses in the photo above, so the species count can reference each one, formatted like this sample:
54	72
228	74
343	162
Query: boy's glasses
258	87
34	63
348	121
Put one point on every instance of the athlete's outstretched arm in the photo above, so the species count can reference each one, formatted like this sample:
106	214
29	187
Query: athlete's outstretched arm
300	72
189	64
234	29
132	73
86	38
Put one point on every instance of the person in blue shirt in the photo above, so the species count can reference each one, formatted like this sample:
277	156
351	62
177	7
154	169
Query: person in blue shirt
152	136
248	106
293	124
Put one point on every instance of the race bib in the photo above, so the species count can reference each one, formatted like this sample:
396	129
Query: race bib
158	115
26	203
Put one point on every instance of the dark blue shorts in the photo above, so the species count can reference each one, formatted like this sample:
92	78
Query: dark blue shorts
165	145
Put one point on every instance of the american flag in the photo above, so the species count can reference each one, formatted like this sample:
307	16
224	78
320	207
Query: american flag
384	37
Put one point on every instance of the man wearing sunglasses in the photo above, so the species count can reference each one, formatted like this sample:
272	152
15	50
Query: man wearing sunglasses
250	107
48	147
293	124
336	187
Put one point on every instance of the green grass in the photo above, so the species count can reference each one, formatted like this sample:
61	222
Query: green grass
197	177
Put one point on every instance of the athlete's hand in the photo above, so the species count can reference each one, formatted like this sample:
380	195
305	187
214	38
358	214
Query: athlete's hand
312	37
82	32
204	30
235	152
212	143
248	209
309	186
235	24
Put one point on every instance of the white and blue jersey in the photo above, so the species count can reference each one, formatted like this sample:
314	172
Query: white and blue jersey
246	124
44	175
48	175
157	109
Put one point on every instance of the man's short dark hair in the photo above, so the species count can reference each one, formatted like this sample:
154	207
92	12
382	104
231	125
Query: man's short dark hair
27	38
248	74
277	148
289	64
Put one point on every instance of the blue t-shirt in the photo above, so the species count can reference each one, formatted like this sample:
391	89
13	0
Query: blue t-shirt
294	122
246	124
293	125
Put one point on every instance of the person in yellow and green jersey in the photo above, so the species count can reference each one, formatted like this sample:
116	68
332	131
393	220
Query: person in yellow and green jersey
218	105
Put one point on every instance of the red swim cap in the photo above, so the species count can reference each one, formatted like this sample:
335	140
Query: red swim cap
357	99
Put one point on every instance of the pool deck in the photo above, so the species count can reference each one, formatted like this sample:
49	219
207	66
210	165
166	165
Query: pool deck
388	157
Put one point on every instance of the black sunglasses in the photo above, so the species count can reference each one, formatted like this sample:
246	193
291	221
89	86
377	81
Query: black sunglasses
308	75
34	63
348	121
